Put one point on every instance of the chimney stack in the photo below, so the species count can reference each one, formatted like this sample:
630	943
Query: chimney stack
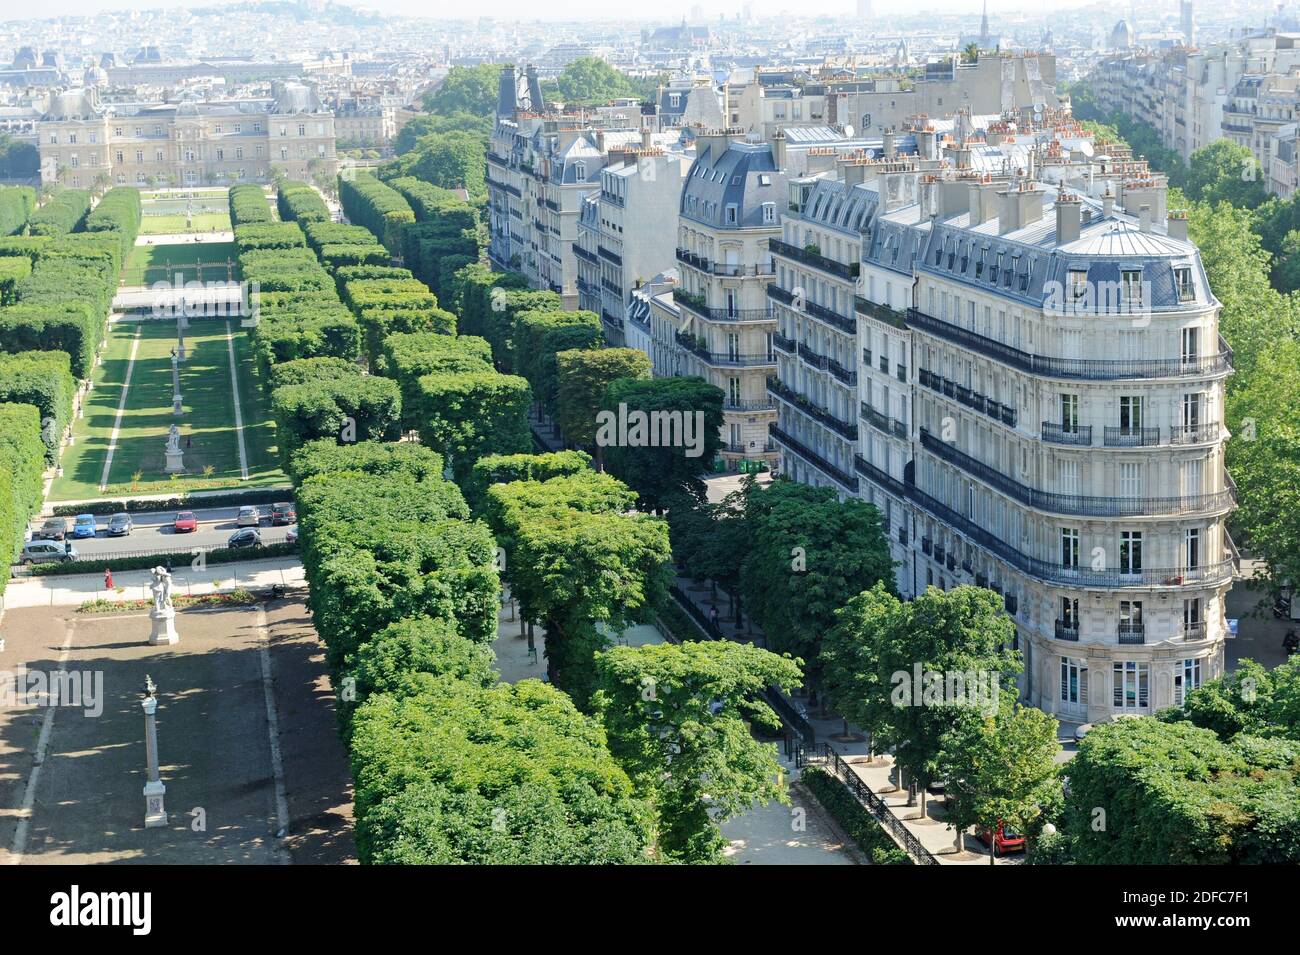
1107	204
1068	209
891	149
647	140
778	150
1176	225
1144	218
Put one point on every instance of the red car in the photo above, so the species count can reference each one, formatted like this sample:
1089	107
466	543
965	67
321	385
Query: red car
1007	840
185	522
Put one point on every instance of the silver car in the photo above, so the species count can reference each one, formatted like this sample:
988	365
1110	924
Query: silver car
249	516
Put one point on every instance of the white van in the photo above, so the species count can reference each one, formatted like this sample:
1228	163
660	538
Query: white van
45	552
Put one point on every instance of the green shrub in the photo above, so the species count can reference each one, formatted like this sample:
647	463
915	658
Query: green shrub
63	213
22	466
298	201
378	207
16	206
43	379
853	817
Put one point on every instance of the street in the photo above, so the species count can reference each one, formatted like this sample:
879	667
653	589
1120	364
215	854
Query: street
153	532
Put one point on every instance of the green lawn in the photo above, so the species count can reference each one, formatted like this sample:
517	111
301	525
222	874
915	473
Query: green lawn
208	423
174	224
148	264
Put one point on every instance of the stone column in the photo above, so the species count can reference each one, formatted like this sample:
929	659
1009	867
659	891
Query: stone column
155	813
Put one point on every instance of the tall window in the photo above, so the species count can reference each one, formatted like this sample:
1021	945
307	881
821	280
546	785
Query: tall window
1192	547
1070	548
1130	552
1131	284
1191	345
1074	682
1192	412
1187	677
1131	685
1070	414
1130	413
1193	618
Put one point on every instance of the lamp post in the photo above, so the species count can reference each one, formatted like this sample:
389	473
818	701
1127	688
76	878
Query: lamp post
155	815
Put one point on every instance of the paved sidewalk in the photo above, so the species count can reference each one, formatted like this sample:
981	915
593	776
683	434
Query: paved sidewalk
798	834
75	589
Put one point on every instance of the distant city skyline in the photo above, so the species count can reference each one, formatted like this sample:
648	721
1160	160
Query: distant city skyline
525	10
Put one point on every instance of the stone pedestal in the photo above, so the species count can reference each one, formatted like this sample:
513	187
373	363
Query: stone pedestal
163	623
177	408
155	815
175	462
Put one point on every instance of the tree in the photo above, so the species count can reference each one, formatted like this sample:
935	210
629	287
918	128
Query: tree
970	53
1249	699
590	79
1264	459
538	336
451	160
1223	171
584	375
656	464
501	774
678	720
466	89
584	573
913	673
710	540
1001	770
808	554
465	415
422	125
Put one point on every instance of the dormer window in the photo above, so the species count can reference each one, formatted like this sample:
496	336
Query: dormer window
1077	282
1131	283
674	100
731	213
1183	282
769	212
580	170
764	179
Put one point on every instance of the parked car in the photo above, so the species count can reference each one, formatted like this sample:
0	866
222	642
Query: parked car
120	525
84	526
245	537
46	552
283	514
249	516
292	536
1006	840
185	522
55	529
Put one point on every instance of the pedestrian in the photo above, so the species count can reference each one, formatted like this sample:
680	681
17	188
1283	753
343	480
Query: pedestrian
713	616
108	579
188	442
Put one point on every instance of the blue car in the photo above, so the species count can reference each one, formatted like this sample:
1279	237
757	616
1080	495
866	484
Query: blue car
84	526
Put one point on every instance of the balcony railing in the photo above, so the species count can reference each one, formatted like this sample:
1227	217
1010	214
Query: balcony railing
845	375
1077	504
731	269
1067	631
722	359
1132	633
1181	434
1054	573
609	254
583	254
879	476
973	400
1056	434
748	404
1092	369
812	357
1194	630
820	312
845	480
883	423
814	260
1131	437
881	313
781	343
845	429
696	304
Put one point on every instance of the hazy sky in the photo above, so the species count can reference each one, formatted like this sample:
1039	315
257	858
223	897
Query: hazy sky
575	9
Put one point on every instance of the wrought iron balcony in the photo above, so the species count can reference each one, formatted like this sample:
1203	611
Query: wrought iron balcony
1078	504
1194	630
879	476
1131	437
1056	434
748	404
925	546
695	303
883	423
805	307
881	313
1090	369
583	254
733	269
699	348
1132	633
840	372
812	357
1204	434
845	429
609	254
781	343
1067	631
814	259
847	481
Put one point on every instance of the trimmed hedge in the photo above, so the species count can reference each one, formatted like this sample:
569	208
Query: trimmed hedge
466	415
487	303
22	467
131	505
13	269
16	206
378	207
118	211
70	327
63	213
298	201
217	555
324	456
356	408
248	204
853	817
507	468
269	235
43	379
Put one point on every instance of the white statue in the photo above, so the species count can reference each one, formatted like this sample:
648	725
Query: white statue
162	589
173	438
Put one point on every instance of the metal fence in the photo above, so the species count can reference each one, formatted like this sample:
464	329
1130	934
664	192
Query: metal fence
876	806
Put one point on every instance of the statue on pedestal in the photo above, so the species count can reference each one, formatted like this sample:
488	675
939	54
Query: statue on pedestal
162	616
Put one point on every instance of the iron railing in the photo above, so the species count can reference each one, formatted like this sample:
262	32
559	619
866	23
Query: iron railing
847	481
812	259
877	807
